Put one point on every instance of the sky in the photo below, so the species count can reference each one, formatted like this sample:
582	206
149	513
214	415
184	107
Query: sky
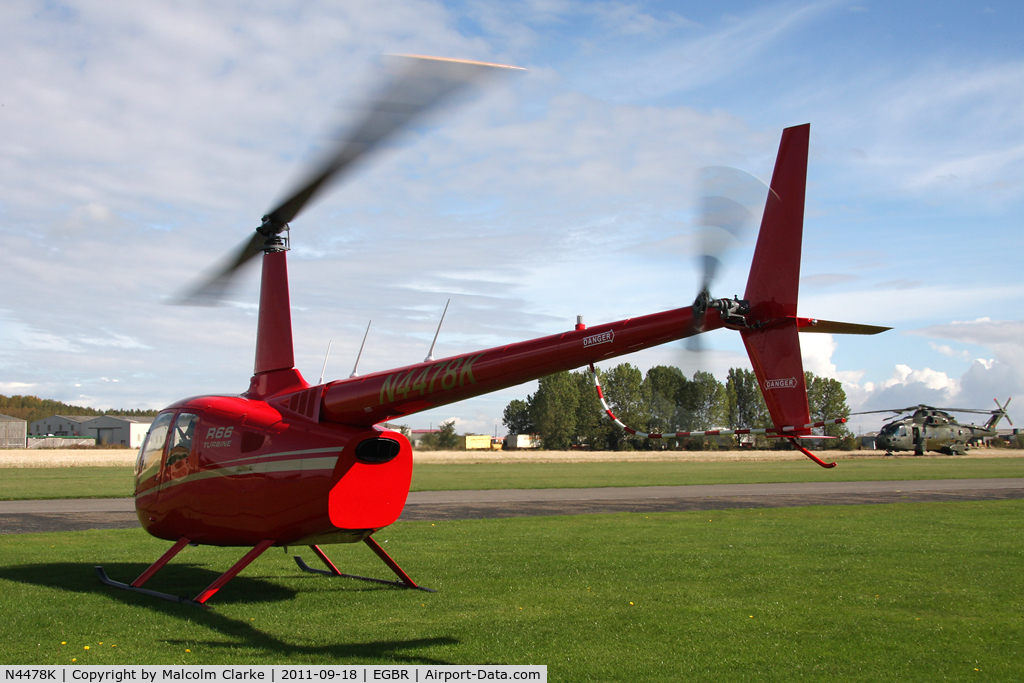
141	142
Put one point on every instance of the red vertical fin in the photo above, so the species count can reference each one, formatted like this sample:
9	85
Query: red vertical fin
274	334
773	285
774	280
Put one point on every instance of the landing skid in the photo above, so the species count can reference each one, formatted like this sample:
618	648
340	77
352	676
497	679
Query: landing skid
200	600
403	582
145	591
206	594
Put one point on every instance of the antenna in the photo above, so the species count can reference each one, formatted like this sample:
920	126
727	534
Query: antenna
430	356
355	367
324	368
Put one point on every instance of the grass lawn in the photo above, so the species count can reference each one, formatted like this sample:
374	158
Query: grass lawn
38	483
116	482
902	592
451	477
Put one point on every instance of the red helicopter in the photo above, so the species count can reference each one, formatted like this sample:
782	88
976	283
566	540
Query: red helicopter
287	463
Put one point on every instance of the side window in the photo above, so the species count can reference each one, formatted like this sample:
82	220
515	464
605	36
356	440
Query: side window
153	448
903	430
181	439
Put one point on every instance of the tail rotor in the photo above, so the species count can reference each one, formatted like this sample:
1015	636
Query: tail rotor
730	200
1000	413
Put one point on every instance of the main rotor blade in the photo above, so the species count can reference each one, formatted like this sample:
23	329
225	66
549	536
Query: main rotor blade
213	288
924	407
422	84
893	411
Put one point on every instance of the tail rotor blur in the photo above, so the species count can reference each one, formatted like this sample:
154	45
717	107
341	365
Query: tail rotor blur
730	200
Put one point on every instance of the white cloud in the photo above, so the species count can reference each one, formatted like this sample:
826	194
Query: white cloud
16	337
904	375
816	350
893	305
143	141
630	19
712	55
943	131
947	350
14	387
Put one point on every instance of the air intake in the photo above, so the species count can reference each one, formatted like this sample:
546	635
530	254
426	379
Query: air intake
376	451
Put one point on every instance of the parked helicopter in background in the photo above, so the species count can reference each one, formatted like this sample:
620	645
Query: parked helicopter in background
933	429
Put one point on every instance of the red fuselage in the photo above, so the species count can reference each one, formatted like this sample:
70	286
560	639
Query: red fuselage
248	475
304	464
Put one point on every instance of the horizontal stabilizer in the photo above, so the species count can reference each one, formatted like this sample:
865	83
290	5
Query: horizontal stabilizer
833	327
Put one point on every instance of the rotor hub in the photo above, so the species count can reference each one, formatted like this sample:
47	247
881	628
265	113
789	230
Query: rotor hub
700	304
276	235
734	311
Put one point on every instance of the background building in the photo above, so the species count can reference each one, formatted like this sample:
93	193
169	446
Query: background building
107	430
111	430
416	436
13	432
59	425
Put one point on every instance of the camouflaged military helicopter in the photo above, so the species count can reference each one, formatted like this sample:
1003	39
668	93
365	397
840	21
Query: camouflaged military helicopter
933	429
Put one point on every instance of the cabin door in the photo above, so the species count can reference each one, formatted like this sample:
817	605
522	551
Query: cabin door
180	460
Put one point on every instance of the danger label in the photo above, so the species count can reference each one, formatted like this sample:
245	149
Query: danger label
788	383
603	338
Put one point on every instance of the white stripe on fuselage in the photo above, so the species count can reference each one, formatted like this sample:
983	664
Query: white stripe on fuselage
260	465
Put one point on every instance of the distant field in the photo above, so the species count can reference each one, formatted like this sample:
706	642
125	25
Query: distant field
115	482
66	457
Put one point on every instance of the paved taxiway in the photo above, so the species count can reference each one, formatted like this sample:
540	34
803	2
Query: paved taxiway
30	516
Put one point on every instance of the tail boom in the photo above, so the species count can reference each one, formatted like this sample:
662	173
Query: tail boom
381	396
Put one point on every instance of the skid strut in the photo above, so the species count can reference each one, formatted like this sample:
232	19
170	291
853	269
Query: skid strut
810	455
206	594
403	582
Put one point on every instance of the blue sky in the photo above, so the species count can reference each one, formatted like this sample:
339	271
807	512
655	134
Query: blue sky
142	141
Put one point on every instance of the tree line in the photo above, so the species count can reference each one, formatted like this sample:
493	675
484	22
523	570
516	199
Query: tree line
32	408
566	412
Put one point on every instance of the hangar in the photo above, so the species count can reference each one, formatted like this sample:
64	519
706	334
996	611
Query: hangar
12	432
59	425
114	430
108	430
